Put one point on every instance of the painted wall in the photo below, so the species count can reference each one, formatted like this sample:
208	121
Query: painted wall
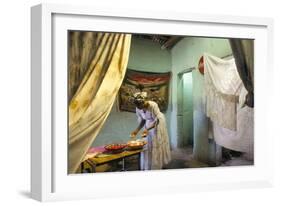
186	55
144	56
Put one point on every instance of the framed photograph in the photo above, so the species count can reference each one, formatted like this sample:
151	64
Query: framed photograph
138	102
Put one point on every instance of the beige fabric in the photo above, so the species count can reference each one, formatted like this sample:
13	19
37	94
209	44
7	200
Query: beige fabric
157	151
82	48
241	140
161	152
222	85
103	72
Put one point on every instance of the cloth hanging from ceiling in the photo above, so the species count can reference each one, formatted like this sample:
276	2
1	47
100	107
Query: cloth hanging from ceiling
97	65
222	90
241	140
243	52
232	121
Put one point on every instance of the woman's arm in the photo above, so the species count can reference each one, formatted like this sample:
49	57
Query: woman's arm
140	125
154	124
136	131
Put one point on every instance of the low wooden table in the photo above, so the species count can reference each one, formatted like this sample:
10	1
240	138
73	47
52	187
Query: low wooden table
97	161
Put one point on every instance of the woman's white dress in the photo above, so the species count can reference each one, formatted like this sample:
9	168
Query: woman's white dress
157	151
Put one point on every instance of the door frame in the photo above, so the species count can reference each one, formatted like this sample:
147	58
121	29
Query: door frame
180	142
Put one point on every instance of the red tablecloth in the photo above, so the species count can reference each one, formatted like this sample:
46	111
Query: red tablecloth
96	149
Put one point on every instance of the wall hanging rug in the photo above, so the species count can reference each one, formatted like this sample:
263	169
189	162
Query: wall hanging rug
155	84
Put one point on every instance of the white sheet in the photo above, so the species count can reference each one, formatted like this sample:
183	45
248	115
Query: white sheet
222	88
241	140
233	123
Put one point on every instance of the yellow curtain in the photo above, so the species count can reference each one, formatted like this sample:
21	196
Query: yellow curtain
98	63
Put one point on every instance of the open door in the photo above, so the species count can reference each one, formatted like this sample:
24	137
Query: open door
185	109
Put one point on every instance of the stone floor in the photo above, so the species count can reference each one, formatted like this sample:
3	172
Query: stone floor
237	161
182	158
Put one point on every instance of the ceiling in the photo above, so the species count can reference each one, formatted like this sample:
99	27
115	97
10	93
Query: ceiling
165	41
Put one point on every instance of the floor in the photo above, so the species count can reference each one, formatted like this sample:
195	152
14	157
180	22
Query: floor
237	161
183	158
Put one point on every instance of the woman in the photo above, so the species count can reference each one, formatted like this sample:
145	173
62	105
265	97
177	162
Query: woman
149	116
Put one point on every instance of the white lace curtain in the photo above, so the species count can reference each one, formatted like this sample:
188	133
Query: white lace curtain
232	121
222	88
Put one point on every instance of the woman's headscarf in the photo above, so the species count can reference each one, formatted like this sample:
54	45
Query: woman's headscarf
139	98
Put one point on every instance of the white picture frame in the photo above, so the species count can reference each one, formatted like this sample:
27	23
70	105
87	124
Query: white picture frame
49	178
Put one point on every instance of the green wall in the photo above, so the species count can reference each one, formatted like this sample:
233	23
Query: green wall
186	54
145	55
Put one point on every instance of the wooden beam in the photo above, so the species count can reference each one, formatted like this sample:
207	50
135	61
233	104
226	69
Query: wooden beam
171	42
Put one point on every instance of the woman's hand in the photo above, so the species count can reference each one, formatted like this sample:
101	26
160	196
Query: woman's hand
134	134
144	133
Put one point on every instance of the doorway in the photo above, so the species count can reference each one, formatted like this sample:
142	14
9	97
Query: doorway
185	108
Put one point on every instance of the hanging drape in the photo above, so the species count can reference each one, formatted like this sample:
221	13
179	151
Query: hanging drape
222	88
97	65
242	139
232	122
243	52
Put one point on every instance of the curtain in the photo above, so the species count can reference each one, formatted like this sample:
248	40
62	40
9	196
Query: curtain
222	90
97	65
242	139
243	52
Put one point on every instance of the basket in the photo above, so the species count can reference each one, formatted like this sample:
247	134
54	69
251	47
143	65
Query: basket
115	148
136	144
